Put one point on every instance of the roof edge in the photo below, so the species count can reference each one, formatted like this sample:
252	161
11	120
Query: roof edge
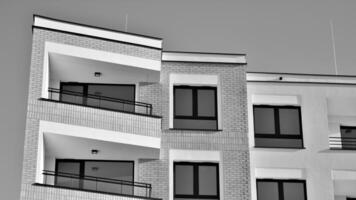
203	57
83	29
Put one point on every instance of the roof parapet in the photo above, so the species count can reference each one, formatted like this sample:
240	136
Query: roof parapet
170	56
76	28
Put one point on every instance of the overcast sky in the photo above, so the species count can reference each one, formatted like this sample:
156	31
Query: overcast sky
276	35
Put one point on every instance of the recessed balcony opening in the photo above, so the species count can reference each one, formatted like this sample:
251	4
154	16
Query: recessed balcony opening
98	84
68	162
345	189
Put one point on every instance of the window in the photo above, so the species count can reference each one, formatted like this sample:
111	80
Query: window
88	93
278	126
196	181
268	189
195	108
348	137
120	170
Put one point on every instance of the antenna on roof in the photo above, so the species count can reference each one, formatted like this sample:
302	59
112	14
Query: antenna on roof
333	46
126	19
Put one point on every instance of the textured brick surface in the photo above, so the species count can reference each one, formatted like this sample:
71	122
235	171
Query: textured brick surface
74	114
232	141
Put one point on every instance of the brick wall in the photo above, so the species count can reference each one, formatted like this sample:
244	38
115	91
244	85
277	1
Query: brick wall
232	141
73	114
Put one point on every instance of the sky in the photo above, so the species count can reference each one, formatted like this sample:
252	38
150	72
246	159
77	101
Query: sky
277	36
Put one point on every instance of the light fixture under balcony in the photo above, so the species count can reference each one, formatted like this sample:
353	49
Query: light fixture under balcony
97	74
94	151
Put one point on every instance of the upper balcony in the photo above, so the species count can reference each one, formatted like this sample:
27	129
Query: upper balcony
98	84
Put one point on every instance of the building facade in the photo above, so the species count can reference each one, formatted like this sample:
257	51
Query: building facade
302	136
113	116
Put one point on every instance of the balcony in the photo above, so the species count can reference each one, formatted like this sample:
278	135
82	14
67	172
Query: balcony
99	101
342	143
96	184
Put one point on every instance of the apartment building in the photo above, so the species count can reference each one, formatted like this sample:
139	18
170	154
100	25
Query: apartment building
112	116
302	136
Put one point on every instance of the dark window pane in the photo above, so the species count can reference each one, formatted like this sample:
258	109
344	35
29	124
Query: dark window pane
72	94
183	102
111	170
195	124
206	103
113	91
293	191
289	121
184	180
264	120
208	180
267	190
348	137
68	168
279	142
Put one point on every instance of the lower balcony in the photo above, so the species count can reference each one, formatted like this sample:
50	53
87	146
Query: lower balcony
100	161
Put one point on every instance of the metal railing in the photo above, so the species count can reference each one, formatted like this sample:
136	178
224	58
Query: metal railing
97	184
98	101
346	143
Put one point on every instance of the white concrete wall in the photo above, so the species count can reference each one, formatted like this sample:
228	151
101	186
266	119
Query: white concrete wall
319	120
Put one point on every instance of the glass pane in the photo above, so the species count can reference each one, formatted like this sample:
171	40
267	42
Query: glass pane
348	137
110	170
183	180
183	102
267	190
117	92
289	121
208	183
293	191
279	143
264	120
195	124
206	103
72	94
64	177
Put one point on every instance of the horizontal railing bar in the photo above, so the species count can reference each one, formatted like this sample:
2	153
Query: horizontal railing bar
347	143
99	97
99	179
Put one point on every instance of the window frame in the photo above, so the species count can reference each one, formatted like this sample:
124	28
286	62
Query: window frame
196	180
280	186
277	134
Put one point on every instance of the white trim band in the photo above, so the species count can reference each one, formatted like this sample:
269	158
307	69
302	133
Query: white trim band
203	57
96	32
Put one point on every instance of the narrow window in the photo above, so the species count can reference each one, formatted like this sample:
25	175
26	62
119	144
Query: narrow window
278	126
195	108
269	189
348	137
196	181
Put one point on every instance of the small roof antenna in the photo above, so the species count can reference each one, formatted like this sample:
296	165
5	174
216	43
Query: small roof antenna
333	46
126	22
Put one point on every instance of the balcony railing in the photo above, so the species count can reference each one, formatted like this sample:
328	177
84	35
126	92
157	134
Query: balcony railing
98	101
342	143
97	184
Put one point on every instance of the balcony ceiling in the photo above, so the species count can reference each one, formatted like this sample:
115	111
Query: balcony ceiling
62	146
74	69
